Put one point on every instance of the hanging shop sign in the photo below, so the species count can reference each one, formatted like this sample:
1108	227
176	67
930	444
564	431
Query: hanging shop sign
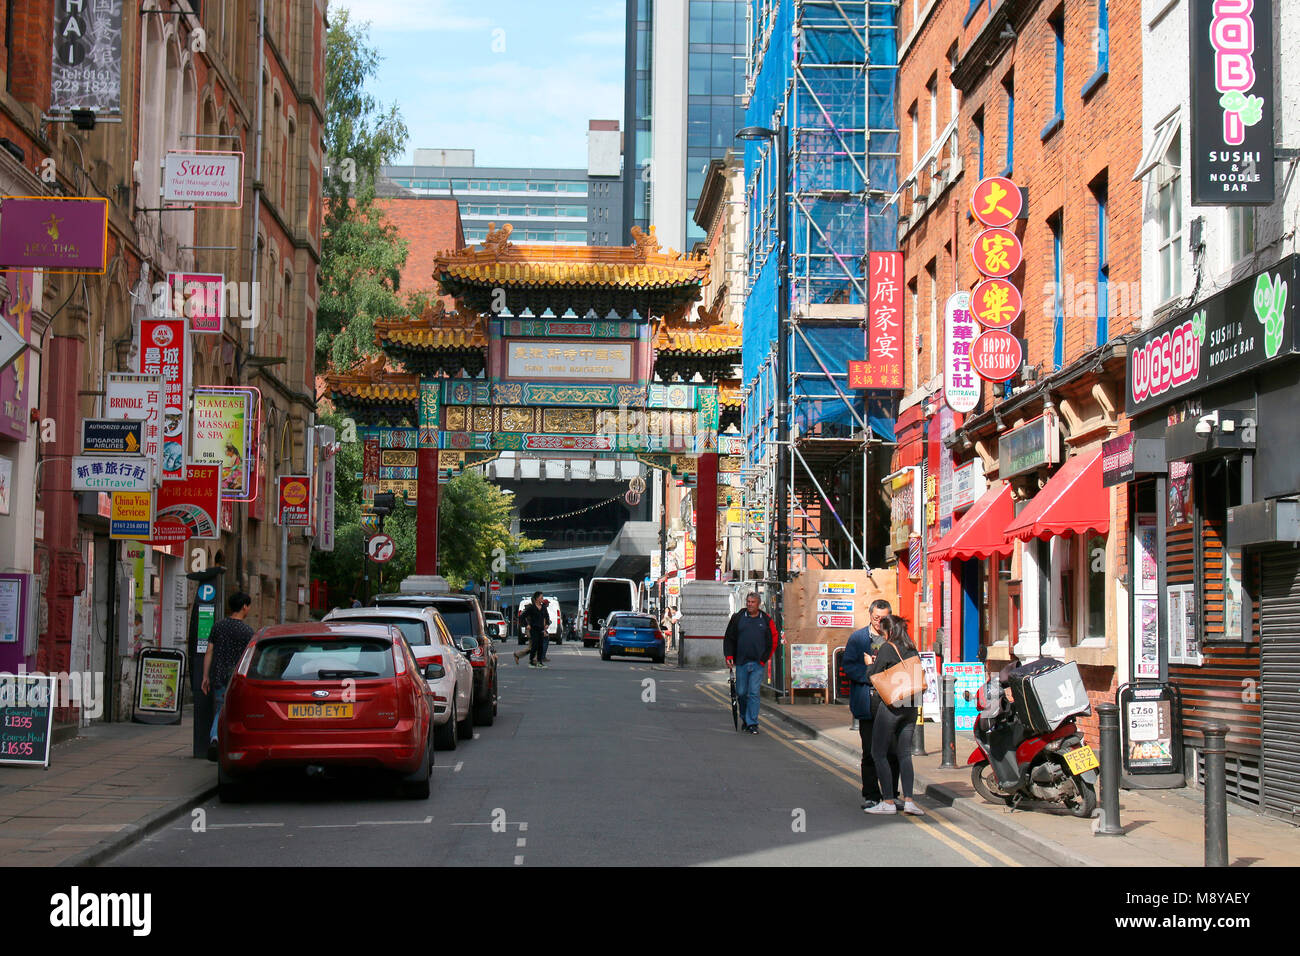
15	330
996	303
997	253
904	510
203	178
193	502
113	436
996	355
961	389
1232	102
968	484
1033	445
68	234
997	201
131	516
884	365
328	452
1249	324
200	297
165	351
131	396
111	473
86	69
1117	460
226	423
295	501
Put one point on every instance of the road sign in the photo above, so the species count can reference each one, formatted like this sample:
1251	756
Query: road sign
380	548
833	606
495	586
834	620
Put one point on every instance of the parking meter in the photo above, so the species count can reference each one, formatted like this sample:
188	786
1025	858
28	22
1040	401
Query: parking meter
203	615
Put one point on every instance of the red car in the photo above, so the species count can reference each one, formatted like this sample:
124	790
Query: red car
326	696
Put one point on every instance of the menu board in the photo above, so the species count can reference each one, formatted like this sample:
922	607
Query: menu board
158	676
26	718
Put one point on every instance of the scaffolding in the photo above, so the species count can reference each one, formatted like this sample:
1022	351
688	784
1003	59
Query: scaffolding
824	73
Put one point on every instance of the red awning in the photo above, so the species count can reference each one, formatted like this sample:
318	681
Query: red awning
1072	502
978	533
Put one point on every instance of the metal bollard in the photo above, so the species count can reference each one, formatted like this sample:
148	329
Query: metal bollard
1108	721
1216	794
918	735
949	741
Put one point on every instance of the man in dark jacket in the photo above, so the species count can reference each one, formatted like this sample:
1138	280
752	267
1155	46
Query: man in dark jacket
749	642
858	655
534	621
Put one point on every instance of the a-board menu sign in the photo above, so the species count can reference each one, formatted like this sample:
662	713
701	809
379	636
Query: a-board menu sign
26	718
158	684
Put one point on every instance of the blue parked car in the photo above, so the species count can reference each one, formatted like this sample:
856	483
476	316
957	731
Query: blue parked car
632	635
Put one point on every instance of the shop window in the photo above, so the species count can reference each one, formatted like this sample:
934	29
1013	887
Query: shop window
1002	628
1169	216
1093	572
1223	602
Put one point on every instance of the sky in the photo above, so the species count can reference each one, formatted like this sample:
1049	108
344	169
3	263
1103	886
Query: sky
514	80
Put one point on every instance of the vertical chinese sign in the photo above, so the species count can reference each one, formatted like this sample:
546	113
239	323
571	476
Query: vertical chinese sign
369	470
997	302
961	389
883	368
165	352
87	62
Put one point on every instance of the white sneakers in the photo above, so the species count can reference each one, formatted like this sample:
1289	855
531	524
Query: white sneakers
887	807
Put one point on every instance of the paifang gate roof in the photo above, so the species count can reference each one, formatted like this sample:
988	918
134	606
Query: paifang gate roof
435	342
622	280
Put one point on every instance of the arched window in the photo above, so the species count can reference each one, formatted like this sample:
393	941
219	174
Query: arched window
152	99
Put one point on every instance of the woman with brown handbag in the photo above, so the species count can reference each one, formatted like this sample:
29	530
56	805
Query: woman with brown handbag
899	682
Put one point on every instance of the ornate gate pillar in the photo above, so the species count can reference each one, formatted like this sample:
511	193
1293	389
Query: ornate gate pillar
706	518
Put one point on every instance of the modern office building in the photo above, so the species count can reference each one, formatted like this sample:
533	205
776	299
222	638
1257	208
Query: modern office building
582	206
683	102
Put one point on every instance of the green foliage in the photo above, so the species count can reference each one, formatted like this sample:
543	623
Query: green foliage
361	255
474	528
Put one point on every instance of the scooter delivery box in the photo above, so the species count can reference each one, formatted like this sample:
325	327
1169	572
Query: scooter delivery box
1048	692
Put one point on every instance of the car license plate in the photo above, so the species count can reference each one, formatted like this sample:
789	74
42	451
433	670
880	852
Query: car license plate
1081	760
635	650
320	711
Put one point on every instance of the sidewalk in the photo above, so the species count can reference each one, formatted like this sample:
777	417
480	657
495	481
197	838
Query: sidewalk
103	790
1161	827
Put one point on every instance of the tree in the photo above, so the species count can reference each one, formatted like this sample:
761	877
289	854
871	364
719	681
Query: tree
361	254
474	530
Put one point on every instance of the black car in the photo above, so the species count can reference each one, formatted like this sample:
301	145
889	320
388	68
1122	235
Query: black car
464	618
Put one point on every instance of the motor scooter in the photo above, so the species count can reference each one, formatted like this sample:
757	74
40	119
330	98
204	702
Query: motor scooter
1013	764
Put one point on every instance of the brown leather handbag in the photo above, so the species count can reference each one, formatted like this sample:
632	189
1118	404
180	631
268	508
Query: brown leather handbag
904	682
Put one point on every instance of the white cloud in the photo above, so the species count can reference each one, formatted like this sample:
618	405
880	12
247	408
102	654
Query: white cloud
600	38
409	16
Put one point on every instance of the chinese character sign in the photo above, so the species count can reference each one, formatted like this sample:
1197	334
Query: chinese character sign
138	398
1232	102
87	63
885	348
996	303
163	351
961	387
996	201
997	253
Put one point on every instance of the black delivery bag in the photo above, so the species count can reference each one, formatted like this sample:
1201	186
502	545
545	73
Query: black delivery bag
1047	693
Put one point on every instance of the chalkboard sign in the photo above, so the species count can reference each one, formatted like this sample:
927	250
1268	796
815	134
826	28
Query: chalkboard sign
26	718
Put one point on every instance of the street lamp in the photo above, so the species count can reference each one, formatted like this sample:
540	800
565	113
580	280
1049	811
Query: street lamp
782	357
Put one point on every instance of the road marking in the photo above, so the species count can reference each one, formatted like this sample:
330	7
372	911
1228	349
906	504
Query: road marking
833	766
459	764
235	826
330	826
394	823
521	842
519	861
476	735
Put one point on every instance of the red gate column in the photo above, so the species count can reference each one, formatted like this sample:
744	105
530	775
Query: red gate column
706	518
426	514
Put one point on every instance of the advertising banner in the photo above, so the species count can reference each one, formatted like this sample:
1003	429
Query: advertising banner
809	667
1232	102
1117	460
295	501
203	178
970	678
225	433
961	387
904	518
165	352
67	234
200	297
159	673
194	501
118	436
15	390
137	397
111	473
131	517
87	64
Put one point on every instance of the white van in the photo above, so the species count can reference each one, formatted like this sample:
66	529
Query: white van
604	596
553	631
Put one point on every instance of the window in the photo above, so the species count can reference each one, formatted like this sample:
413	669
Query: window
1055	224
932	90
1169	215
1009	86
1093	573
1057	23
932	275
1101	42
954	101
916	133
1100	193
978	121
1241	233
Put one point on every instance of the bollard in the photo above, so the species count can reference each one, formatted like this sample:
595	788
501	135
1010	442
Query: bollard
949	735
918	735
1216	794
1108	721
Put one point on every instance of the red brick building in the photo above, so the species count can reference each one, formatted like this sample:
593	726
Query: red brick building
1022	89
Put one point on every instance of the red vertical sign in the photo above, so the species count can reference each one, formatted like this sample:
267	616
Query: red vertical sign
884	321
163	351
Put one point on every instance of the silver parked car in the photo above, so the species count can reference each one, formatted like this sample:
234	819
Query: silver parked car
447	671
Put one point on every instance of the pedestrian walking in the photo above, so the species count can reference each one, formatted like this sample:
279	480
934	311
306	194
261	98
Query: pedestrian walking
893	725
355	602
859	652
749	642
533	621
226	643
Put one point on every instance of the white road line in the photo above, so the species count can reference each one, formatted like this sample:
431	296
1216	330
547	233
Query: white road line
476	735
330	826
459	764
523	827
233	826
394	823
521	842
519	861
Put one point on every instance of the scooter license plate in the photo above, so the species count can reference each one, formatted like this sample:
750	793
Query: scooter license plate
1081	760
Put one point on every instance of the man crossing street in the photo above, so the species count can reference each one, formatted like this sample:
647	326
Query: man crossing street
749	642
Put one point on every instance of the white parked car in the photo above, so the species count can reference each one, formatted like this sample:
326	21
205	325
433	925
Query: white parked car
447	671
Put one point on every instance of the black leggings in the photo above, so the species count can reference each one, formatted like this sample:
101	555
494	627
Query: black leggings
891	734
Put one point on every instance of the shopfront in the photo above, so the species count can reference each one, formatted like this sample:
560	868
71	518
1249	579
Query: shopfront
1214	394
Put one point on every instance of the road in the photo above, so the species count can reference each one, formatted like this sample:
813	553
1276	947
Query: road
589	763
